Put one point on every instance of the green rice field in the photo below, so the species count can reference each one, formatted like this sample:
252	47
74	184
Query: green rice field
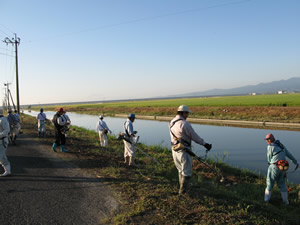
257	100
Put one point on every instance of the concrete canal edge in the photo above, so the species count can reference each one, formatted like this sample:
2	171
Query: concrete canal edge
222	122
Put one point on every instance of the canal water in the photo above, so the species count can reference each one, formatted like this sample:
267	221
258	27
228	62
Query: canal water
238	147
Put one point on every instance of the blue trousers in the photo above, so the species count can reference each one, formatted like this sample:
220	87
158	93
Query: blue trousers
274	174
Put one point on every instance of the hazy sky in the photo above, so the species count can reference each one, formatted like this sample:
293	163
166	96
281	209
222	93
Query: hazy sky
88	50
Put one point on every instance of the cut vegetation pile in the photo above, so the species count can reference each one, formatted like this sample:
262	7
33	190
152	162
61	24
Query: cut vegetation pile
148	194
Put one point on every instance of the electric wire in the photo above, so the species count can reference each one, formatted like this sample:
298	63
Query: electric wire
3	36
6	54
6	29
11	55
8	70
145	19
4	49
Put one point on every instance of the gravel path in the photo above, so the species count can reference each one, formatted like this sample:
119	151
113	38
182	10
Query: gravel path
44	189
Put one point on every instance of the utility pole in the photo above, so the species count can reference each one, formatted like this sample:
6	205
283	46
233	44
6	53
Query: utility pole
15	41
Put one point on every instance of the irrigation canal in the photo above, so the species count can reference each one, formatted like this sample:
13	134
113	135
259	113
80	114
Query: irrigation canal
239	147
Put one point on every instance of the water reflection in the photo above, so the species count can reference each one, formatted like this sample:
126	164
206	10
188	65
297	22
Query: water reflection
242	147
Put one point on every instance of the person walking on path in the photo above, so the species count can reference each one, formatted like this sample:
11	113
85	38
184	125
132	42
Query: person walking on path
102	129
59	126
42	119
182	134
129	149
13	123
4	131
17	115
276	155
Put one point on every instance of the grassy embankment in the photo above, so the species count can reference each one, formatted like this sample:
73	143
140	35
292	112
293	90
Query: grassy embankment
275	108
148	194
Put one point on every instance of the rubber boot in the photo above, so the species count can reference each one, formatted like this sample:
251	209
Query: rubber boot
184	185
7	171
62	148
39	134
267	195
284	196
131	161
54	147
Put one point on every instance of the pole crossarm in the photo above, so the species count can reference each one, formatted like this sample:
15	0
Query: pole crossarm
12	41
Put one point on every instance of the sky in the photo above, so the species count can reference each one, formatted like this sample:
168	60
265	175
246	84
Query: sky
99	50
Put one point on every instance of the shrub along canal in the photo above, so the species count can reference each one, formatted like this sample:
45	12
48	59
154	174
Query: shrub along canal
239	147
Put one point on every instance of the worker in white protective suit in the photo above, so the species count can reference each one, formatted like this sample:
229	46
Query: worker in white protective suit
4	131
42	119
182	134
17	115
13	124
67	122
102	129
276	154
129	149
59	123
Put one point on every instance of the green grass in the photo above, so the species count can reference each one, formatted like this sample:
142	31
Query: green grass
257	100
283	108
148	194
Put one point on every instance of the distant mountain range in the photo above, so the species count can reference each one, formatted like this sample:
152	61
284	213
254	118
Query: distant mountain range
290	85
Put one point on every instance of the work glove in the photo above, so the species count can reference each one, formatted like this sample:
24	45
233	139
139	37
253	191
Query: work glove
135	132
207	146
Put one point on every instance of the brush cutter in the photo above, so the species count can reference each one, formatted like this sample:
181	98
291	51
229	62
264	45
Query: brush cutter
122	136
285	175
212	169
135	145
147	155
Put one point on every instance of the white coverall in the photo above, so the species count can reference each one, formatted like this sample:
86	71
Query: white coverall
4	130
67	118
19	122
129	149
13	123
101	126
276	152
183	130
41	117
65	121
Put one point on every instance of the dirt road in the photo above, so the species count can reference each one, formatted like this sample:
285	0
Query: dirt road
44	189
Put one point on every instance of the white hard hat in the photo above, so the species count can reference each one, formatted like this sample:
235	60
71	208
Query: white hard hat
183	108
101	116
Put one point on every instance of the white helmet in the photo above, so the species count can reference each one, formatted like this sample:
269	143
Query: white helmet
183	108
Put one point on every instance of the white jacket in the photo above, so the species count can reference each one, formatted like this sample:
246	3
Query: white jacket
4	129
101	125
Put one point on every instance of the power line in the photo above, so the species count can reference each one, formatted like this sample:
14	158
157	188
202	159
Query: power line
150	18
4	48
6	54
4	33
6	29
